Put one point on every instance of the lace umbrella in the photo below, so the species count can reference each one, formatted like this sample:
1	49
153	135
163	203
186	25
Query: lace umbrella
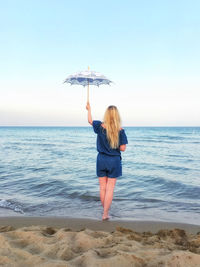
87	78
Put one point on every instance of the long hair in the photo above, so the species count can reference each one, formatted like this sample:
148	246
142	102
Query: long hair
112	122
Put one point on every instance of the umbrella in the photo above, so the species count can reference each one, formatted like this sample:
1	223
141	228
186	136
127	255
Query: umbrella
87	78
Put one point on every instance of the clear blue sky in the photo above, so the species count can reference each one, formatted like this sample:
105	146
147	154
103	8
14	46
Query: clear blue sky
150	49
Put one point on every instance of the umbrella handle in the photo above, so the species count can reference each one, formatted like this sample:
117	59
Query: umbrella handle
88	93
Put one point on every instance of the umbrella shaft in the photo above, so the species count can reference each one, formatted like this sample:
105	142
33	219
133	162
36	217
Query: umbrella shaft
88	92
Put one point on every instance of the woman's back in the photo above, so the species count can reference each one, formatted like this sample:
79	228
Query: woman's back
103	145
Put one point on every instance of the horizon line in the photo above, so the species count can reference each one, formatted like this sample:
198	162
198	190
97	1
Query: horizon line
48	126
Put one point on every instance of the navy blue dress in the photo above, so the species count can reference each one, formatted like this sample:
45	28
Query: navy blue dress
108	159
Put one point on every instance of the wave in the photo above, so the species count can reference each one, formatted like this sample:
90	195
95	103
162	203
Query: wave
155	166
39	169
84	196
172	137
159	139
177	188
8	204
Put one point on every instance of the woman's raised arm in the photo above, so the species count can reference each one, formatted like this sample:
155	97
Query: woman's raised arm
89	113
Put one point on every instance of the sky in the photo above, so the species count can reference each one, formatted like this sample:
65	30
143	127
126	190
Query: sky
149	49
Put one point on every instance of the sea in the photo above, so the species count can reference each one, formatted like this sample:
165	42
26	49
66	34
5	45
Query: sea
51	171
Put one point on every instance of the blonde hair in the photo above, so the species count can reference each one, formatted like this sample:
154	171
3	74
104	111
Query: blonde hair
112	122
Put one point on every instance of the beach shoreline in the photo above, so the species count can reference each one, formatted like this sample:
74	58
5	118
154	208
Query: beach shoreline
96	225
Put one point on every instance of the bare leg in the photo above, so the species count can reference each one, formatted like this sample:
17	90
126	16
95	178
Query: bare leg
108	196
102	183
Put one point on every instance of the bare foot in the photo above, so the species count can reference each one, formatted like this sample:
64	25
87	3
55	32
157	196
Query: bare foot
105	218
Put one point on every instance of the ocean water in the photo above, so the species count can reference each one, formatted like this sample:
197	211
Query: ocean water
51	171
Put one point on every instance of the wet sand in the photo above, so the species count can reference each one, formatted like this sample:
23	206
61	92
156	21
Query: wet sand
62	241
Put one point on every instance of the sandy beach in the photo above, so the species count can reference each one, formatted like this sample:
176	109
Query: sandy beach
62	241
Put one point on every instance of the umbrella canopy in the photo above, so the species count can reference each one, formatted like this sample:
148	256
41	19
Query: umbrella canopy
87	77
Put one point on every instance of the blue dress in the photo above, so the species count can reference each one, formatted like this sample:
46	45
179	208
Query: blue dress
108	159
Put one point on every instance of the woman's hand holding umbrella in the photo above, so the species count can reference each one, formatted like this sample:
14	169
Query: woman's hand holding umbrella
88	106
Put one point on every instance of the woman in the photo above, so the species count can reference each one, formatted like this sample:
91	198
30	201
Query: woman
111	140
